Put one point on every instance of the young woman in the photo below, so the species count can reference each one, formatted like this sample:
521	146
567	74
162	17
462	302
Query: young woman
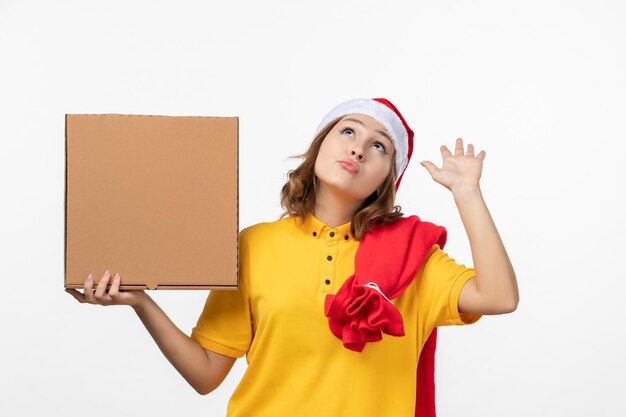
319	287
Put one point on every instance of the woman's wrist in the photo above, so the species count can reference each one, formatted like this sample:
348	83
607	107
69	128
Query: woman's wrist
141	305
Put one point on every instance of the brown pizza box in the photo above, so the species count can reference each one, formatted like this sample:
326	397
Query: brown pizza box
155	198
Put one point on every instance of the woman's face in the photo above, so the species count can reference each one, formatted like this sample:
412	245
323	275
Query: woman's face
372	157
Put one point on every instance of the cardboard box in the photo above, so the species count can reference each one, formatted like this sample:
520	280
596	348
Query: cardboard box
155	198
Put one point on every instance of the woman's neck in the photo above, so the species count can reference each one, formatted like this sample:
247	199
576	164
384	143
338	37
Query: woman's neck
333	210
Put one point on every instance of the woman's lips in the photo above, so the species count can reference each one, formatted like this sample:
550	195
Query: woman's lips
349	165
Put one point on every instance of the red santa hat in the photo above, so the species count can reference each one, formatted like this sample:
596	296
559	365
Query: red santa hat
385	113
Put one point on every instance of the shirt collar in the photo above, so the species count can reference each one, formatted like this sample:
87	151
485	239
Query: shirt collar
317	229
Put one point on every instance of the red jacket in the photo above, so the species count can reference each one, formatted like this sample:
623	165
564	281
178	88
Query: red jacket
386	262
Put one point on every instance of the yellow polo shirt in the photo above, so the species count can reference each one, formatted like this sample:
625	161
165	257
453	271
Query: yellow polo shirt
296	366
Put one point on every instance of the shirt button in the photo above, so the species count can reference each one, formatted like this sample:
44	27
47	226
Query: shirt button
327	281
330	258
314	233
346	237
332	234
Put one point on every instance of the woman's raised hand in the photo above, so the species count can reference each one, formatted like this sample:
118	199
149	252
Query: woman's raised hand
114	296
460	170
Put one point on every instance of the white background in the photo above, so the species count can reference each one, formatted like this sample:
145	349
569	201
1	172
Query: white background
539	85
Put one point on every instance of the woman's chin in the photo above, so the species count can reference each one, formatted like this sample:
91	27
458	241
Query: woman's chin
345	189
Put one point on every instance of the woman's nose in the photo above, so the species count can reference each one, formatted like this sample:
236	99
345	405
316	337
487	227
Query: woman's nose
358	153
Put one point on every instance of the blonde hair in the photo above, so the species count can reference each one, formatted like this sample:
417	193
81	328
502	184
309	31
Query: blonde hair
297	196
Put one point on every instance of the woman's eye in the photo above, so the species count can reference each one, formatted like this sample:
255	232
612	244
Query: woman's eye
346	129
381	145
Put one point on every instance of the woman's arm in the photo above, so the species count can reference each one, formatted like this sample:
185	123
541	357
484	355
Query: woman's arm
203	369
494	289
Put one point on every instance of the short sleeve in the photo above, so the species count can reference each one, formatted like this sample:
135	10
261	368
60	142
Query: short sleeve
439	287
225	325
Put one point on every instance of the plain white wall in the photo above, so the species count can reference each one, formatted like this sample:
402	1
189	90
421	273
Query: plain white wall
539	85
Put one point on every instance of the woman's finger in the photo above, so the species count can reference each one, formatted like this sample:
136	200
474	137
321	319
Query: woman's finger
88	290
445	152
102	286
470	149
458	150
114	292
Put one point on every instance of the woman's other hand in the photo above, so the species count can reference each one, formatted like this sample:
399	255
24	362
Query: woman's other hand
461	170
114	296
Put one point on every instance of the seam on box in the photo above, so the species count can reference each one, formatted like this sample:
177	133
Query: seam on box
65	214
151	115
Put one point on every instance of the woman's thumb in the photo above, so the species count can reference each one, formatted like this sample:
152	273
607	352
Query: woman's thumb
429	166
